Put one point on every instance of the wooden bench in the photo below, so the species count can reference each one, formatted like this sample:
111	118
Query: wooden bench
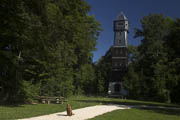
48	100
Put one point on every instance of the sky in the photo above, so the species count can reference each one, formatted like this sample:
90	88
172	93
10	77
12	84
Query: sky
106	11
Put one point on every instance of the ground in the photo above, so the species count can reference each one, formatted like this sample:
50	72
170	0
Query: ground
153	113
139	114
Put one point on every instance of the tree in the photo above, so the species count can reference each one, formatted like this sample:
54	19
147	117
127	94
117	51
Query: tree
43	45
103	73
13	24
152	60
172	42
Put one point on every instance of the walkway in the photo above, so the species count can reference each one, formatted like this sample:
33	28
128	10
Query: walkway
81	114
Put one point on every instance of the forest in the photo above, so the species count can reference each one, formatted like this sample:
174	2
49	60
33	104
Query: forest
154	65
46	49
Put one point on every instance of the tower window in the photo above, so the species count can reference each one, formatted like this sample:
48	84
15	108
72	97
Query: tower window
120	23
116	52
115	64
120	51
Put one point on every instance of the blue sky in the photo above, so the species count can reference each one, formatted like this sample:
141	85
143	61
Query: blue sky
105	11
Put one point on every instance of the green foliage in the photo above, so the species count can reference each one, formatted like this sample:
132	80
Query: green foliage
132	53
30	90
132	82
152	74
173	43
43	45
88	78
100	81
103	74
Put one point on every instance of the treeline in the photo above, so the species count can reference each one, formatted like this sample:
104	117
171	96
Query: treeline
46	49
154	68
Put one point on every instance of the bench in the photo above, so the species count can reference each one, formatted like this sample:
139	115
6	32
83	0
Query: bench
48	100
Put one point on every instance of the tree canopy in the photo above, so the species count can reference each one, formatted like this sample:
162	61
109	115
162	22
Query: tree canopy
153	69
45	48
152	75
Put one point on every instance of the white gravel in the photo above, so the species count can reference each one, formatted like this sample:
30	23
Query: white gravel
81	114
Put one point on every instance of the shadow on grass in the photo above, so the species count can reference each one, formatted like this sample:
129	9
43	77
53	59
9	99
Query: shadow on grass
124	102
163	111
11	105
14	105
158	108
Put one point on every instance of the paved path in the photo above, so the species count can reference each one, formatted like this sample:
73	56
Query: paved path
81	114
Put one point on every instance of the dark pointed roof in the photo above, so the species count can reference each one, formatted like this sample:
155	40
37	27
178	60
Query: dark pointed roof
122	17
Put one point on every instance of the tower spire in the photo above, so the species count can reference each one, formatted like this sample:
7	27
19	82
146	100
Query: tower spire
121	16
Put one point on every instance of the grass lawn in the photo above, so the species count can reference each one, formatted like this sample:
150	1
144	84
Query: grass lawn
139	114
24	111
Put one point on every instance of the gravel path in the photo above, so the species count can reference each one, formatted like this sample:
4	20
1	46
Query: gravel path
80	114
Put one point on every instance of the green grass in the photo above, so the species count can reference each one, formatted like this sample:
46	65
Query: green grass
139	114
25	111
105	100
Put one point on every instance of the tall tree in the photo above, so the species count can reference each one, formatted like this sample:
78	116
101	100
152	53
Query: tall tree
173	43
153	57
43	45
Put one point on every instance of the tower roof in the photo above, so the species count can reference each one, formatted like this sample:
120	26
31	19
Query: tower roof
122	17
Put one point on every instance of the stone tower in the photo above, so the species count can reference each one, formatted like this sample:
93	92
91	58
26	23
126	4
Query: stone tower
119	56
